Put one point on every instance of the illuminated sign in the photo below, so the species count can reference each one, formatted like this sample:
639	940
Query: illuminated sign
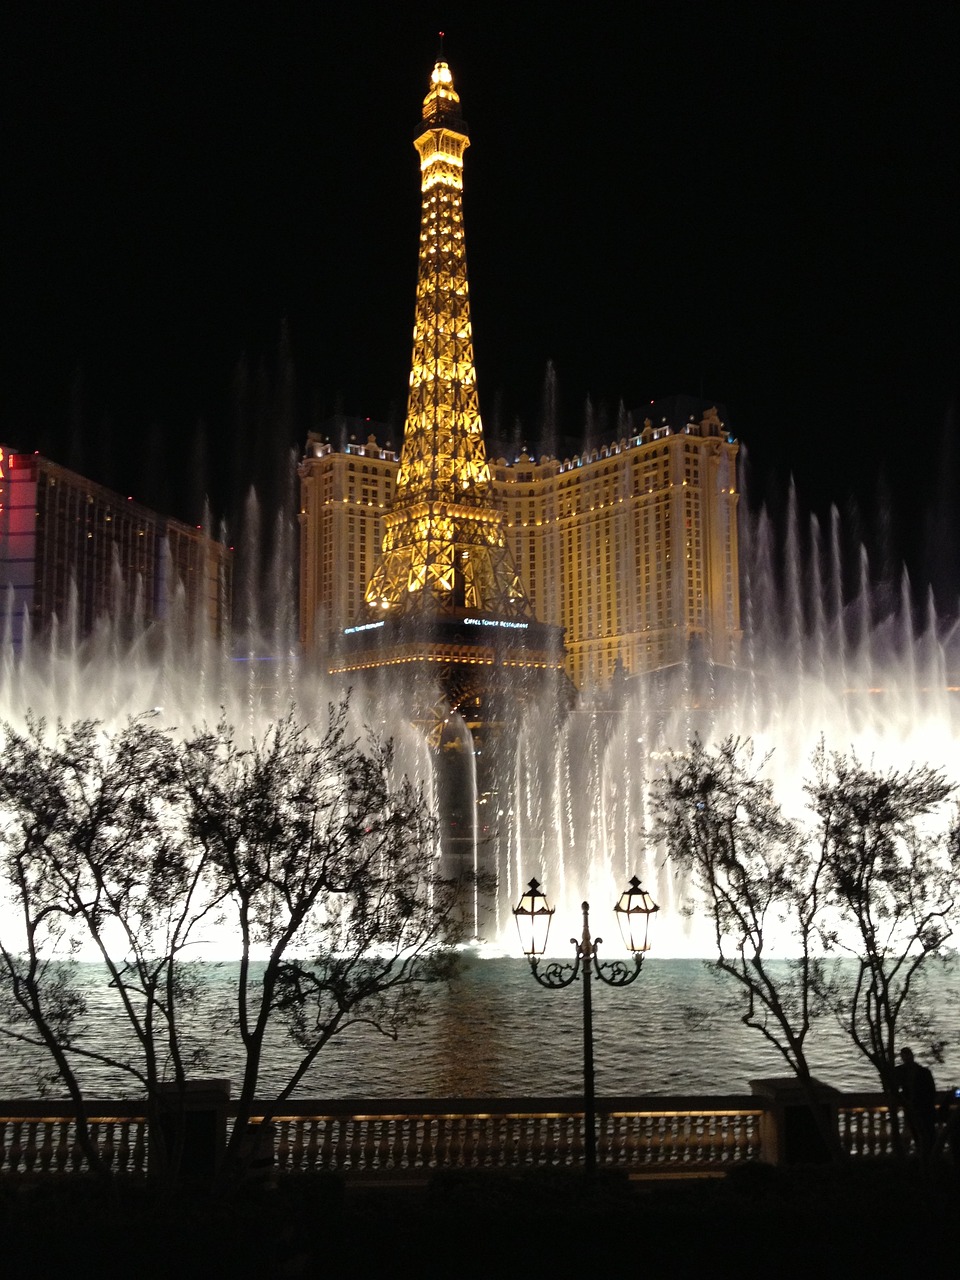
494	622
364	626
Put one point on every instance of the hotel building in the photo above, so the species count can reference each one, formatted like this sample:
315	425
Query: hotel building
631	547
73	549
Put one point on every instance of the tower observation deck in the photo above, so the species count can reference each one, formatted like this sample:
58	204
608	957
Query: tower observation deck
445	596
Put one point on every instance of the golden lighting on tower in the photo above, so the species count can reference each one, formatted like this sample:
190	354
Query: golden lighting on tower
444	547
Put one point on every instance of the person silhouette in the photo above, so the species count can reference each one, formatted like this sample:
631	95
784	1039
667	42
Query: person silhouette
918	1092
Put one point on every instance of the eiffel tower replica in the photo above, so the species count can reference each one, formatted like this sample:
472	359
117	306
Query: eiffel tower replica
446	621
445	609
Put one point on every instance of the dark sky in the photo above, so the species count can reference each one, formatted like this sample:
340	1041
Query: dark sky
210	218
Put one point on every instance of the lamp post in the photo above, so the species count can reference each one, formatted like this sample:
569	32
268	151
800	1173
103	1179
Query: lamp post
633	910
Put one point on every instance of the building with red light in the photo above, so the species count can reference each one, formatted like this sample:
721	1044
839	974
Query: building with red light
76	551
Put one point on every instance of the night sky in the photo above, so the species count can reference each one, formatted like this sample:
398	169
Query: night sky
210	218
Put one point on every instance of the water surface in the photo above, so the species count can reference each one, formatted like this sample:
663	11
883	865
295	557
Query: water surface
496	1033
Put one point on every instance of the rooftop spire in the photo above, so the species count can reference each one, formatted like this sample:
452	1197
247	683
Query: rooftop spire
441	106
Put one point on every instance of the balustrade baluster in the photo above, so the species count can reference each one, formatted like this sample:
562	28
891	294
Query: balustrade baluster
15	1147
698	1135
373	1147
498	1141
398	1133
428	1144
140	1146
357	1138
551	1135
458	1141
577	1139
544	1149
308	1138
734	1139
571	1138
78	1160
297	1138
123	1146
62	1147
361	1143
548	1141
343	1143
463	1142
421	1142
845	1125
442	1144
45	1148
877	1130
326	1156
468	1142
384	1146
654	1132
29	1155
282	1153
482	1141
638	1140
618	1147
603	1139
524	1145
409	1137
738	1132
884	1125
107	1150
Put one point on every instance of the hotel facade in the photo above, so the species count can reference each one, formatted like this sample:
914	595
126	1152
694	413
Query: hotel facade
631	547
73	550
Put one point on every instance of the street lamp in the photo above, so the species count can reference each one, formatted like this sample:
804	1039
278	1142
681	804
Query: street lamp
633	910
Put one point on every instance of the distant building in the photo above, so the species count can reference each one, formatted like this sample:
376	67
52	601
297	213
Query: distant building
74	550
631	546
345	490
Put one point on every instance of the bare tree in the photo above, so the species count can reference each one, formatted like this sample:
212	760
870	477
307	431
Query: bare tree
321	868
91	859
889	875
869	881
749	867
329	877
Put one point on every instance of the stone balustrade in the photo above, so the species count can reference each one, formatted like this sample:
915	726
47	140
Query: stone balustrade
376	1138
41	1137
513	1135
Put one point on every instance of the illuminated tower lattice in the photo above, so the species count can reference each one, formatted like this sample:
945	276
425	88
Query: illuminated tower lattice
444	550
445	601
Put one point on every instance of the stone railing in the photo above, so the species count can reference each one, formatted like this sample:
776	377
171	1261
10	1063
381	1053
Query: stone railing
41	1137
411	1138
403	1138
864	1124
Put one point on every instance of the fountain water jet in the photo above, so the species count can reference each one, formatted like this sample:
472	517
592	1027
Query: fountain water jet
569	801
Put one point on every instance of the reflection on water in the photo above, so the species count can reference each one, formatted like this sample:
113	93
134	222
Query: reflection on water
496	1033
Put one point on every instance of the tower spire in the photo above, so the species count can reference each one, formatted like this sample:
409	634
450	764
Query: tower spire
444	548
